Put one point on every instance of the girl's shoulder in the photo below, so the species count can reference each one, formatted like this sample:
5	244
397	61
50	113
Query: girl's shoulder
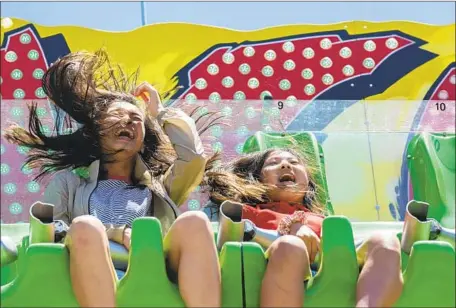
81	172
67	177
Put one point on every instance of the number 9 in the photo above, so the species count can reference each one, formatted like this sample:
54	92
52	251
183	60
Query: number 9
280	104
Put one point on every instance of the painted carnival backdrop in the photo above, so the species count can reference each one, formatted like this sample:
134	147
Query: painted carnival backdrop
363	88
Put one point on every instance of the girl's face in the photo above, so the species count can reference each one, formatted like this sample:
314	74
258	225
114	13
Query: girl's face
123	130
286	172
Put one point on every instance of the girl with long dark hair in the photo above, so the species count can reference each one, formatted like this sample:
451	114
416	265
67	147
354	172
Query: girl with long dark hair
140	158
277	191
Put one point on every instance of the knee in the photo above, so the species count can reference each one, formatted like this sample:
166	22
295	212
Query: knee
289	250
195	223
386	245
86	231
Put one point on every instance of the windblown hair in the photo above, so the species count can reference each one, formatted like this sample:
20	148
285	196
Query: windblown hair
84	85
240	181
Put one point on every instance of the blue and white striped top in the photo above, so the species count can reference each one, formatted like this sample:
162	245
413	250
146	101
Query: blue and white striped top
116	202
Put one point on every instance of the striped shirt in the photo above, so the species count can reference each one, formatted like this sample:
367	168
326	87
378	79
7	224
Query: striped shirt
116	202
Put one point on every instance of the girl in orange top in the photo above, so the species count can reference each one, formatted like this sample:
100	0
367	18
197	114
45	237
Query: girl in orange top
278	192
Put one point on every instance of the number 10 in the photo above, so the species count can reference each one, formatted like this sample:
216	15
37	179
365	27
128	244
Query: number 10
440	106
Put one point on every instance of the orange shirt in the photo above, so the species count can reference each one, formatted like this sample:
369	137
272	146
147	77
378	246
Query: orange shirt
268	216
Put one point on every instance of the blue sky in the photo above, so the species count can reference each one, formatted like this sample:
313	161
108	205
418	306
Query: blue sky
124	16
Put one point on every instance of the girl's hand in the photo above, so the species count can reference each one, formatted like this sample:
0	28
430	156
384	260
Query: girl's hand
150	95
310	239
127	238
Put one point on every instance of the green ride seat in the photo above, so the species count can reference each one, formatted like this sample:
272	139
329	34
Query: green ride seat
429	278
338	274
335	283
431	162
146	283
9	272
43	278
305	143
232	275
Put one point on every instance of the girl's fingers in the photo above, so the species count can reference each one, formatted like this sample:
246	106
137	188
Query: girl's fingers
312	252
145	87
136	89
144	96
318	243
309	246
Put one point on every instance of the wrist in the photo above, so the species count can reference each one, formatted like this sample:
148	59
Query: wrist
160	109
115	232
161	113
294	228
126	237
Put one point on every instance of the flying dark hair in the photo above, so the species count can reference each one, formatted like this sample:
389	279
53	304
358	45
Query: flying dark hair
84	85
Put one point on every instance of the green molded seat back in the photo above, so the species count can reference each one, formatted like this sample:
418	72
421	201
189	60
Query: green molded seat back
305	143
335	283
145	283
429	279
43	273
15	232
8	273
431	162
43	278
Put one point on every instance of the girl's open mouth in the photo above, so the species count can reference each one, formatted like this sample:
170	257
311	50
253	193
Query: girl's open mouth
125	134
287	179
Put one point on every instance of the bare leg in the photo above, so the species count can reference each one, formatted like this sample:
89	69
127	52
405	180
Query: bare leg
92	273
283	282
380	282
191	252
